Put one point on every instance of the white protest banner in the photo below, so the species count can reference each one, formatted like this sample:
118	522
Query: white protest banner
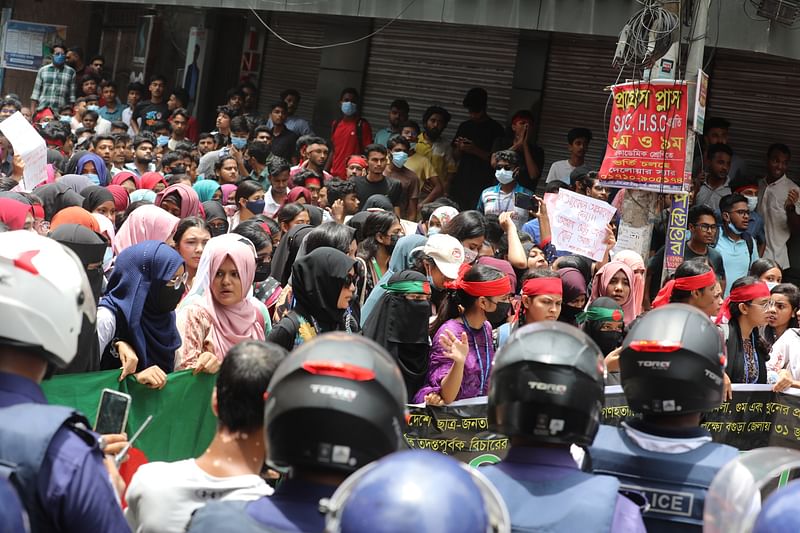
578	223
29	145
632	238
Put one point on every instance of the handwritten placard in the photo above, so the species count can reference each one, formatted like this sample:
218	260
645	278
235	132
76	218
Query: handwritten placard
29	145
578	223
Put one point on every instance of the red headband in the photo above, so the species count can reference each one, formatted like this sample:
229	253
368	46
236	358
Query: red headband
688	283
742	294
266	228
357	159
495	287
313	181
536	286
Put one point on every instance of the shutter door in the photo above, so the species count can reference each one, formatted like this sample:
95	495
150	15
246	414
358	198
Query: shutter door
578	71
757	93
286	66
427	64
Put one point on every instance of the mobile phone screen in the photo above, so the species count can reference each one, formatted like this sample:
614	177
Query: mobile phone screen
524	201
112	413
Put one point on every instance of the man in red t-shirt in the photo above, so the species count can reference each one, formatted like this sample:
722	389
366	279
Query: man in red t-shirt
349	134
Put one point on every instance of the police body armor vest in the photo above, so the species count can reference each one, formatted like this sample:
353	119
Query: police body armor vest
575	502
27	430
675	485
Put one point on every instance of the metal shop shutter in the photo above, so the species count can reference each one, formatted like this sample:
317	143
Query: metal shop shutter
286	66
432	63
578	70
757	93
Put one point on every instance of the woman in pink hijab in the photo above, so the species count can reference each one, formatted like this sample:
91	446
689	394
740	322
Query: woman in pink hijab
218	313
145	223
636	263
179	200
615	280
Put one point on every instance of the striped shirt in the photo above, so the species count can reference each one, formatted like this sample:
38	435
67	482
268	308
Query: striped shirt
54	87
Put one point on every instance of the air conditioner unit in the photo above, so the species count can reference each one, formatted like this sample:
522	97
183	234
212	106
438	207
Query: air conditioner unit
781	11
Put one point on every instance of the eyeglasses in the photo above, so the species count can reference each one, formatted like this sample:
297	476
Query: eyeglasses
349	280
708	228
766	306
741	212
218	227
178	281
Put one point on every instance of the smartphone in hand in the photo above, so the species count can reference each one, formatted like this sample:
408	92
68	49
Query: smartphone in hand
112	412
526	202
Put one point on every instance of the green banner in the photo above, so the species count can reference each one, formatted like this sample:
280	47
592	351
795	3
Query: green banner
183	423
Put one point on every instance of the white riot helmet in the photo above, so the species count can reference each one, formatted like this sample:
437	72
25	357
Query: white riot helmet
44	296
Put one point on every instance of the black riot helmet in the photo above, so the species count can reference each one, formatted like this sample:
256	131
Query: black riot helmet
672	362
547	385
337	402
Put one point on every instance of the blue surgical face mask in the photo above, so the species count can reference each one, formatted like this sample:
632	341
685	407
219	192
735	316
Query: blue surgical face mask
94	177
399	159
734	229
65	118
255	206
504	175
59	59
239	142
107	257
771	284
162	140
434	230
92	107
349	108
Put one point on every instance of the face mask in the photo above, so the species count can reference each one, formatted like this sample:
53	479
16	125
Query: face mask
499	316
771	284
568	314
349	108
470	256
94	177
239	142
752	202
504	175
392	242
92	107
255	206
162	140
734	229
107	257
216	232
399	159
164	299
65	119
59	59
262	272
178	170
434	230
608	341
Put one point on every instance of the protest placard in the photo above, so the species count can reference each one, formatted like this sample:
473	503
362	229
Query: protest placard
633	239
578	223
29	145
647	137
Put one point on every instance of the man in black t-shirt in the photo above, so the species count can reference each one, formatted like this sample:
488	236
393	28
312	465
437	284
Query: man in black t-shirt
147	114
375	182
531	155
473	145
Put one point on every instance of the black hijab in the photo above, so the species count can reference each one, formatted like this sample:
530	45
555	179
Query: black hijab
215	211
317	281
401	326
608	341
57	196
94	196
286	252
89	247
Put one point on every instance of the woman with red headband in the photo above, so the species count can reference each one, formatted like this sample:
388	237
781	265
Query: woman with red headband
694	284
542	298
746	309
462	349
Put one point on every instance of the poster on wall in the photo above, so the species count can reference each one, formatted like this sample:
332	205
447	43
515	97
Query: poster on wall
28	45
195	59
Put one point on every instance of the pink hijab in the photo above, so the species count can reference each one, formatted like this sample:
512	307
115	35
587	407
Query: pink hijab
227	190
240	321
145	223
602	279
189	200
635	262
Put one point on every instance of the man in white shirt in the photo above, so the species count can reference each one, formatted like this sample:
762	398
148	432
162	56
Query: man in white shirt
778	196
162	496
578	140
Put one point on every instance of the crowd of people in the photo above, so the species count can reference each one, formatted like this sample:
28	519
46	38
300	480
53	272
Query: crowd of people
329	281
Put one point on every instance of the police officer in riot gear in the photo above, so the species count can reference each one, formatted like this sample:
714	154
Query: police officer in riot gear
334	405
546	393
671	366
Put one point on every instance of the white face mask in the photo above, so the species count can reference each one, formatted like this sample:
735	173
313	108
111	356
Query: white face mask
470	256
771	284
752	202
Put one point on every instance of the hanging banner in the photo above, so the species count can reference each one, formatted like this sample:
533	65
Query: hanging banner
676	234
700	102
647	137
28	45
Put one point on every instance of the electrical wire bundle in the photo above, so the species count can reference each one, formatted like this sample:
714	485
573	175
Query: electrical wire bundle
646	36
